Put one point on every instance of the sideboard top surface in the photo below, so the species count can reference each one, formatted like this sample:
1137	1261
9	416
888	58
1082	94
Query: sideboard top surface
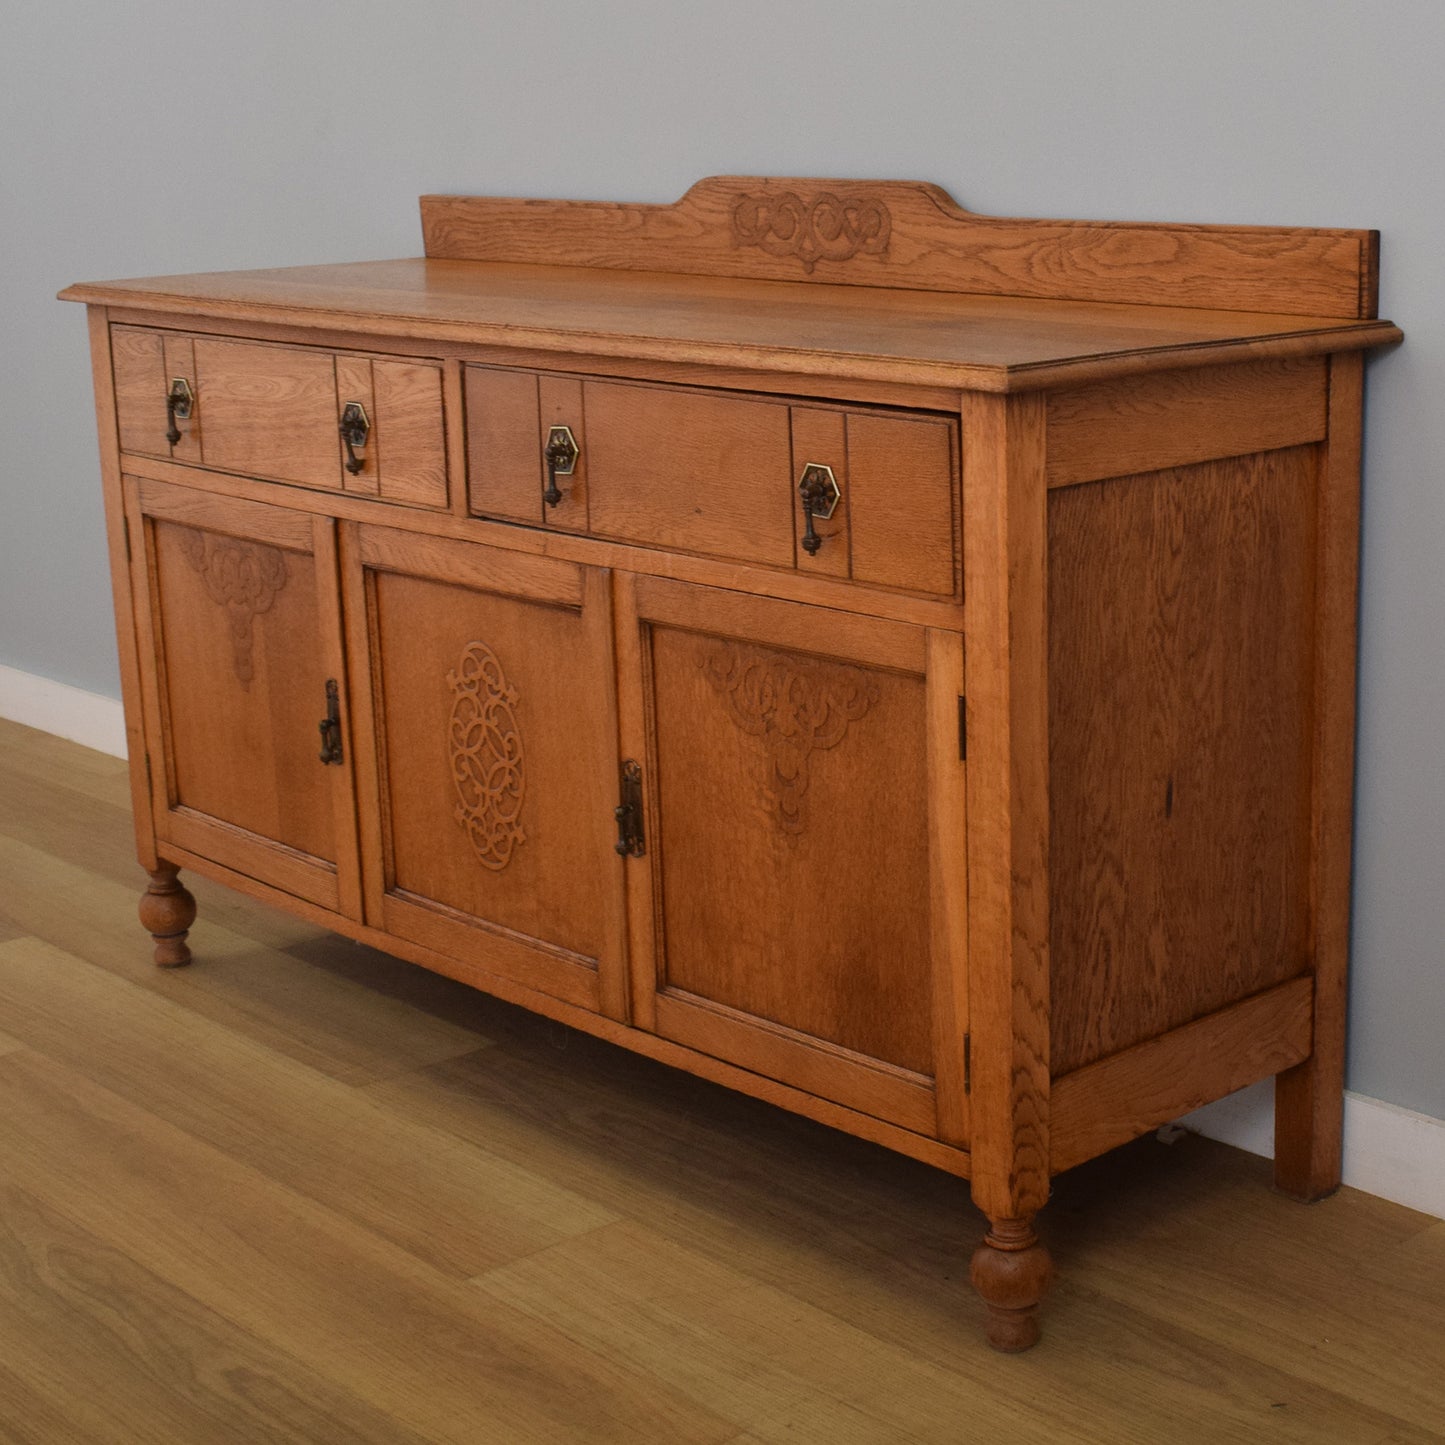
882	281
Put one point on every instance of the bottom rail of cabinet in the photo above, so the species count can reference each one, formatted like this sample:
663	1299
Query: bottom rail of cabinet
719	1071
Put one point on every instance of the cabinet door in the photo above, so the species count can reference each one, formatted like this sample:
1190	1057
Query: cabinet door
489	772
239	626
800	907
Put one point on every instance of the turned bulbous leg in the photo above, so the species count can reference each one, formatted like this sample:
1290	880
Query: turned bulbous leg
167	911
1011	1271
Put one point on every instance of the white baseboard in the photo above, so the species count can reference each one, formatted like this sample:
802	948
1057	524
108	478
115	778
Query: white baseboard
1392	1152
68	712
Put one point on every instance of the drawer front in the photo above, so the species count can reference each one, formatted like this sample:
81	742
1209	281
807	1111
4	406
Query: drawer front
268	411
718	475
689	471
273	412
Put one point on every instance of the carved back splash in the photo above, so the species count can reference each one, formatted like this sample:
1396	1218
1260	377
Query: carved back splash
913	235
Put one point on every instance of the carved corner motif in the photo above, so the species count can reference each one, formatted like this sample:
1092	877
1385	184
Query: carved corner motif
825	228
243	578
486	754
798	706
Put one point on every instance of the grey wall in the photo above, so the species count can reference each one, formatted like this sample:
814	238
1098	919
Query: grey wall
139	137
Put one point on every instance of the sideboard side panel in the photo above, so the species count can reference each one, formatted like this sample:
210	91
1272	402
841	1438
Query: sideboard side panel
1181	673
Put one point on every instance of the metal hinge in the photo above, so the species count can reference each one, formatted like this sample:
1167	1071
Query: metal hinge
630	841
962	731
968	1063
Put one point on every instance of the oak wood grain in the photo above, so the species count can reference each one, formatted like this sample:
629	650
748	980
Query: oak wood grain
789	1280
180	363
579	361
475	974
985	343
948	884
1112	428
137	360
271	411
820	438
561	401
410	432
759	581
354	383
1006	672
1309	1099
118	546
1109	1102
692	473
504	450
1179	749
902	481
909	234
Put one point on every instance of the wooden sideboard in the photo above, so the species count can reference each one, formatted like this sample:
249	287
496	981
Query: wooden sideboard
895	662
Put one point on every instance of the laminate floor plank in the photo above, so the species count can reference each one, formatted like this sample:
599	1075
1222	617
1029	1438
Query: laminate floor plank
450	1203
307	1013
724	1171
883	1244
98	835
723	1339
87	831
30	1417
28	752
304	1192
446	1361
99	1349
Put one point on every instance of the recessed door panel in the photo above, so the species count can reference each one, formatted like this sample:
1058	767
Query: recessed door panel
495	758
806	805
796	879
241	611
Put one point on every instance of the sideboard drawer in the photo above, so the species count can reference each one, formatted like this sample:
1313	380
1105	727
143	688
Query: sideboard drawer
274	412
718	475
689	471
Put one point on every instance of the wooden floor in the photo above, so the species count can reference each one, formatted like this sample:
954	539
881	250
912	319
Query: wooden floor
304	1192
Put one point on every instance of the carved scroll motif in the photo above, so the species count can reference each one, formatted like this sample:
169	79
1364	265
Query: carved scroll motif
826	228
242	577
798	707
486	755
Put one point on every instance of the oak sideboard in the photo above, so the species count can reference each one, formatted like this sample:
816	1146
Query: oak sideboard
895	662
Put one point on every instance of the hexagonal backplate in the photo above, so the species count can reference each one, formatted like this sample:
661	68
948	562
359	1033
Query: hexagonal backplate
181	398
820	488
562	445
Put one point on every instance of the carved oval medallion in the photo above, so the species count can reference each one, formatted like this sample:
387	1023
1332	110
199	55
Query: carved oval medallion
826	228
485	750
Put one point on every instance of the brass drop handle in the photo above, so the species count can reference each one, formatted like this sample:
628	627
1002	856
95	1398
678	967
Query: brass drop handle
355	427
820	494
560	454
179	401
330	725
